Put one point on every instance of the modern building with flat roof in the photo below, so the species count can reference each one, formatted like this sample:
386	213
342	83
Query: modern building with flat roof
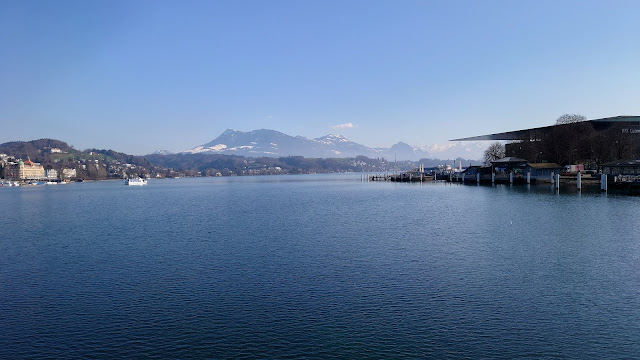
590	142
630	123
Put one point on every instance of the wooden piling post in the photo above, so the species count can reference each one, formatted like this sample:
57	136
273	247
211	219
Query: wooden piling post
558	181
529	177
579	181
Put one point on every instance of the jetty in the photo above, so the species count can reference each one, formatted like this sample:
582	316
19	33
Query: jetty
620	176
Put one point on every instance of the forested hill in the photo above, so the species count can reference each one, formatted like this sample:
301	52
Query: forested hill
37	150
46	151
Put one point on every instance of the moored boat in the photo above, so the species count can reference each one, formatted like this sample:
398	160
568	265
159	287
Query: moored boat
135	182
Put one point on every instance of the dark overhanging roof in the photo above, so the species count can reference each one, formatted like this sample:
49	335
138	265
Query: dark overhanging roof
519	134
509	160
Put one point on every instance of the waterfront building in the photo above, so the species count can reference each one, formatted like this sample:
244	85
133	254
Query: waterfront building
68	173
622	174
25	170
589	142
622	167
627	125
507	165
472	171
51	174
543	170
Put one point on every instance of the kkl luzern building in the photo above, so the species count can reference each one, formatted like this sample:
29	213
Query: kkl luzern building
590	142
25	170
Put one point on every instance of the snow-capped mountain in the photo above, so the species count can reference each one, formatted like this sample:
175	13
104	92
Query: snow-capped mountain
161	152
271	143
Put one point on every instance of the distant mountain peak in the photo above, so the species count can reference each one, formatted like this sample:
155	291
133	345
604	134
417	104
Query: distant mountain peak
272	143
332	138
230	132
161	152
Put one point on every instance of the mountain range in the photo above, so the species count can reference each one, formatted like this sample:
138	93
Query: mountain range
271	143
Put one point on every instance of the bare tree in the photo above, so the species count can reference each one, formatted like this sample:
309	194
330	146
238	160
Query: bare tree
570	119
494	152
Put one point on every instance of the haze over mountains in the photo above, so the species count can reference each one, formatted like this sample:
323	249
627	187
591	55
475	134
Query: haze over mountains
271	143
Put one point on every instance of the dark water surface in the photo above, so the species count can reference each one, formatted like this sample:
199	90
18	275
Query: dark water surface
317	267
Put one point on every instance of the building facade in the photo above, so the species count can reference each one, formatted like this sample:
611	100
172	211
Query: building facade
68	173
51	174
25	170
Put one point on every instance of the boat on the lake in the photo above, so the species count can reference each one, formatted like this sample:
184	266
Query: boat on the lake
135	182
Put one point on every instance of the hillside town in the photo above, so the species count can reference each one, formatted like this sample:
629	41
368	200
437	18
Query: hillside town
60	166
17	171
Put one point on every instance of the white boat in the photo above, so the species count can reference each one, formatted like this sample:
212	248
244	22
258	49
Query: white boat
135	182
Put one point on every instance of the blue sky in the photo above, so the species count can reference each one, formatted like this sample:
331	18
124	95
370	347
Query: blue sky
137	76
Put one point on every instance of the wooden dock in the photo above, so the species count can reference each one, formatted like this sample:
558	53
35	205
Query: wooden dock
401	178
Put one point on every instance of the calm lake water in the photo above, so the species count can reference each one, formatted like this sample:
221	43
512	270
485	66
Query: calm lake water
317	267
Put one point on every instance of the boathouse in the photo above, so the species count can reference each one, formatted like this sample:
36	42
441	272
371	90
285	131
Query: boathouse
622	167
509	165
472	173
542	170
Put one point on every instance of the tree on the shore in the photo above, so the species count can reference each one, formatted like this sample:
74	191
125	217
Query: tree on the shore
494	152
570	119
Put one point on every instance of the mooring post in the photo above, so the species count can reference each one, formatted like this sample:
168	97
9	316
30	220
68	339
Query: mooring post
529	177
603	182
511	178
463	174
558	181
553	178
478	178
493	177
579	181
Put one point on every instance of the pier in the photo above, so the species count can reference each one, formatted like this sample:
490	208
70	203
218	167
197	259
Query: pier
617	184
